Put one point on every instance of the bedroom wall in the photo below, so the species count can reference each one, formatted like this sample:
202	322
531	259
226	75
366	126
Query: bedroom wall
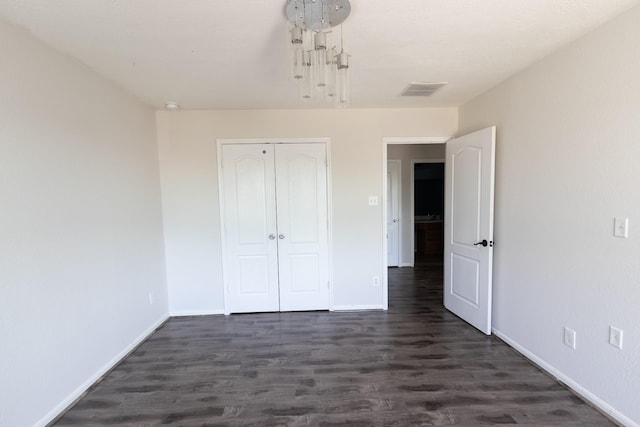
567	164
188	163
81	244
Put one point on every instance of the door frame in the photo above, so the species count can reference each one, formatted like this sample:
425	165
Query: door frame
399	200
412	183
386	141
225	141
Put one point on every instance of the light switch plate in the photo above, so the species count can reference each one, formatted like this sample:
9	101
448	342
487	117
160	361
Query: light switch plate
621	227
570	338
373	200
615	337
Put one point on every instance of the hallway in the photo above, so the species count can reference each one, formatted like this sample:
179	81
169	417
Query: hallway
416	364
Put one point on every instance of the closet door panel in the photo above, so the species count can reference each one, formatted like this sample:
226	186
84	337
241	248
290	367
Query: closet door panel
301	193
251	259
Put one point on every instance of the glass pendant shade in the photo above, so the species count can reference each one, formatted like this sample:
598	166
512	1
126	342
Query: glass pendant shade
331	73
342	81
296	35
306	85
297	53
298	62
320	59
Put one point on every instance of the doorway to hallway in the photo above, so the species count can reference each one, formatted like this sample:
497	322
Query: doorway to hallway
467	222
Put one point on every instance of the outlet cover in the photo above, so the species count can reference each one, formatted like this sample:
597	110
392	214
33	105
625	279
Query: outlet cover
570	338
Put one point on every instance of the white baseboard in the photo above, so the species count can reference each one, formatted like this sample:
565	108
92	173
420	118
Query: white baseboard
78	392
182	313
356	307
574	386
406	264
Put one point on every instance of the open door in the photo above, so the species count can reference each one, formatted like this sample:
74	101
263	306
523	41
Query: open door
468	227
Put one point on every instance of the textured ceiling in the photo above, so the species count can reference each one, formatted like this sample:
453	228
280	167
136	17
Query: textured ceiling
214	54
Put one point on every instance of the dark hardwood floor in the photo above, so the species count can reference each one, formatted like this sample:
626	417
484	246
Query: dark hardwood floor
416	364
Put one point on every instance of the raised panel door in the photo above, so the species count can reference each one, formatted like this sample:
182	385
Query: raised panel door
301	193
250	259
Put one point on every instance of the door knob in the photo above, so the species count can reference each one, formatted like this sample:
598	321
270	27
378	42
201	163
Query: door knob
482	243
272	236
281	236
395	219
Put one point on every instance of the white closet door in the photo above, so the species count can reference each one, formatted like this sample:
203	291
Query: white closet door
251	258
301	187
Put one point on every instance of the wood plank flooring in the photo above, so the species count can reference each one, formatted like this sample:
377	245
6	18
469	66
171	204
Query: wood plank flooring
414	365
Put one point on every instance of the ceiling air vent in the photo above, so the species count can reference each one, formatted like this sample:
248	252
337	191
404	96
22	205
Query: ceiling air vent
422	89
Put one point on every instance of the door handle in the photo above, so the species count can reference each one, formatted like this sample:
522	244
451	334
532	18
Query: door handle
482	243
281	236
272	236
395	219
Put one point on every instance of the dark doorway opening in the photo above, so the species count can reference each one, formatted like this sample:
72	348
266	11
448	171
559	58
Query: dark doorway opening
428	211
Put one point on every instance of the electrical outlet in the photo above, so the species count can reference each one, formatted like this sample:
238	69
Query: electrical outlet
375	281
570	338
615	337
151	298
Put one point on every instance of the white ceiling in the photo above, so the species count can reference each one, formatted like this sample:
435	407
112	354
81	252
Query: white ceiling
215	54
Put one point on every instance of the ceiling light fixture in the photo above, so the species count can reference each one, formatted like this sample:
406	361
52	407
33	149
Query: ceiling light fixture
170	105
321	71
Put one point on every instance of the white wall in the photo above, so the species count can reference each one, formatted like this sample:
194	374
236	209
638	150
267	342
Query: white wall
187	143
568	155
80	228
406	153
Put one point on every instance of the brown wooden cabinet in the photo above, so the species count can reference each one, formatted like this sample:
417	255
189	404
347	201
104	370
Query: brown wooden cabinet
429	237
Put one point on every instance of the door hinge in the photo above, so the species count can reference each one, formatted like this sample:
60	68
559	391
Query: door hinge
328	285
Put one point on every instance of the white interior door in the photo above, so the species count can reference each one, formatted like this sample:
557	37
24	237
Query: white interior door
393	213
468	227
249	203
301	188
